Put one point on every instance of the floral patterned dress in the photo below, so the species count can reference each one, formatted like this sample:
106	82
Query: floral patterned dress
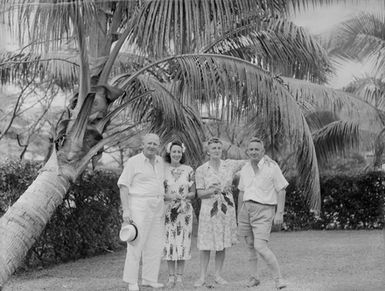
217	228
179	213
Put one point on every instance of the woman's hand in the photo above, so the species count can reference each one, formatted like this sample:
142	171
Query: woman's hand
215	188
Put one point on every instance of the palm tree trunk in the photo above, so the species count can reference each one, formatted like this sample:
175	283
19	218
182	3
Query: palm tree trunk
24	221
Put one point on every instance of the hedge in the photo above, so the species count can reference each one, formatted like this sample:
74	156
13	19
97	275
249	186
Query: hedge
347	202
88	221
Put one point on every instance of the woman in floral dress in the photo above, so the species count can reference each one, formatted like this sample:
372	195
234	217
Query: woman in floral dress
217	228
179	189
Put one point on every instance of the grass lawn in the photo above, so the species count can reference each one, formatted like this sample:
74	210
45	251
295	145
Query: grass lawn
311	260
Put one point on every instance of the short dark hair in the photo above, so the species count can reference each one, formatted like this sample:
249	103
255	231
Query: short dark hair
256	139
167	157
214	140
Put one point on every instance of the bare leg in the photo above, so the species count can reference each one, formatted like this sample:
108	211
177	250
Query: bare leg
171	274
204	262
219	261
179	273
268	256
179	269
253	255
171	267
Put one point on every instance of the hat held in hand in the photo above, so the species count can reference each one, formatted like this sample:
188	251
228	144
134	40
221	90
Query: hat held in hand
129	232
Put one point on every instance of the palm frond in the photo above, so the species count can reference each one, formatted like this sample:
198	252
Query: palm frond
360	38
164	110
325	98
47	25
168	27
379	149
369	89
318	119
278	45
61	66
335	138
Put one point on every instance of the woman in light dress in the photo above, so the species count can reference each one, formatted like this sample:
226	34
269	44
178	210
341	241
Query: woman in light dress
217	228
179	189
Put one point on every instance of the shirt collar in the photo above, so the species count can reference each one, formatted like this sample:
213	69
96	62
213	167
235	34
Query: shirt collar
261	162
157	158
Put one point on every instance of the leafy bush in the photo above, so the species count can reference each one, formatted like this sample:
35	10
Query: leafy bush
348	202
85	224
15	177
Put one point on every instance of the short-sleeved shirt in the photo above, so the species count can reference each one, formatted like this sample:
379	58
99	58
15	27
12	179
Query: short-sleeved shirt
264	185
141	177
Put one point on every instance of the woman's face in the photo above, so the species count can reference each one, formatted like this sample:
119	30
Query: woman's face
176	154
215	150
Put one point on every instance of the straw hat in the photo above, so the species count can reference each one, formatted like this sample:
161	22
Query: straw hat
128	233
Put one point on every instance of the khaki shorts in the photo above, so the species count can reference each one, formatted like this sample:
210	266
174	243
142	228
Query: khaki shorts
256	219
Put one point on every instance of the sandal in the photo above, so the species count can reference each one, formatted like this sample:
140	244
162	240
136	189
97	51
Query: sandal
199	283
179	281
171	281
220	281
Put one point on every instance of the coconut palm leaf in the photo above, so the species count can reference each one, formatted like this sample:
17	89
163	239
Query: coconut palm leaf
360	38
318	119
170	27
379	149
60	66
369	89
278	45
325	98
335	138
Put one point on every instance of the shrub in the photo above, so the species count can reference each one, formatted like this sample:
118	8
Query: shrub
348	202
86	223
15	177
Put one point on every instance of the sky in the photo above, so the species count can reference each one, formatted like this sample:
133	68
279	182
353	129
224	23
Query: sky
323	19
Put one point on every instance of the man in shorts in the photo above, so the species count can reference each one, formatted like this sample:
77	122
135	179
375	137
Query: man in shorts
261	203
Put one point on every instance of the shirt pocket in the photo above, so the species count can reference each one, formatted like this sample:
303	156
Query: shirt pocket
265	182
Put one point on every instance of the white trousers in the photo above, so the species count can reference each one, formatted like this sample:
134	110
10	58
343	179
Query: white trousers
148	215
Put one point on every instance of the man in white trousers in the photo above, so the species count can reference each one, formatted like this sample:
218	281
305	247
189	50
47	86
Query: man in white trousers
142	193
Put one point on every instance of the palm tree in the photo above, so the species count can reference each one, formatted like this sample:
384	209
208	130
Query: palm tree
362	38
162	63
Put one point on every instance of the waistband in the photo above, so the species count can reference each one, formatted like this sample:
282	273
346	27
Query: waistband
146	196
255	202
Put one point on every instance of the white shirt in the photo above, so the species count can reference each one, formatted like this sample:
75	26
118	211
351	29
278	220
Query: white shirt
264	185
141	177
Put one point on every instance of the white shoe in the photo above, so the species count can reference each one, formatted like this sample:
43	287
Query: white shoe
133	287
154	285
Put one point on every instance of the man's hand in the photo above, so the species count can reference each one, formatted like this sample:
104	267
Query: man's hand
278	218
126	217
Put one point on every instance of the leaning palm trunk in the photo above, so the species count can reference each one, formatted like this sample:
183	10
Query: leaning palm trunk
23	223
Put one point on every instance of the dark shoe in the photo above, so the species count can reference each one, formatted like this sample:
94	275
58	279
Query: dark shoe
280	284
199	283
253	282
220	281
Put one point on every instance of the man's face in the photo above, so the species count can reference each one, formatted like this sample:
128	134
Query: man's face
151	145
255	151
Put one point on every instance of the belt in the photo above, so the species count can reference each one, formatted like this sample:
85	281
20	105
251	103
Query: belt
146	196
255	202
